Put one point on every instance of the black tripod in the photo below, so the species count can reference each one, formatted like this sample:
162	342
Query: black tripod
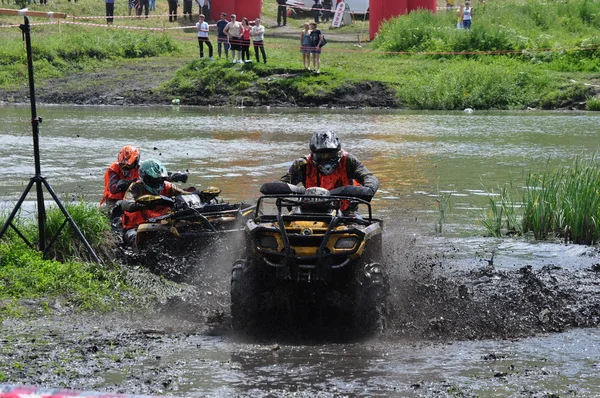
39	179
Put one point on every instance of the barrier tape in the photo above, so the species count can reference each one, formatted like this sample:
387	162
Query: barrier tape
162	29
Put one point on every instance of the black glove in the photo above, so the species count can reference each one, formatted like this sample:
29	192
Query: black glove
180	176
140	206
123	185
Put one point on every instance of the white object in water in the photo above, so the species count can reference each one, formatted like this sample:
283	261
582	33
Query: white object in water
468	110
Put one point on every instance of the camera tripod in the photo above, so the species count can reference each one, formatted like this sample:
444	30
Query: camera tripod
38	179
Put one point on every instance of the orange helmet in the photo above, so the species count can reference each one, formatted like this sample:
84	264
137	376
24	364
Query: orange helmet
129	156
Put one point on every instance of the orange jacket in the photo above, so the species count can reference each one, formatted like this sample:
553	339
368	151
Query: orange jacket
113	175
135	218
338	178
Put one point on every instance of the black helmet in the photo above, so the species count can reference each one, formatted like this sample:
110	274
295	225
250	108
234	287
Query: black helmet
153	175
325	148
325	141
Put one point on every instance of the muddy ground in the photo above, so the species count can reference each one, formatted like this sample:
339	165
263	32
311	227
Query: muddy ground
431	302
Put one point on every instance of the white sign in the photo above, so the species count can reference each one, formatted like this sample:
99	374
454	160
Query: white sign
339	13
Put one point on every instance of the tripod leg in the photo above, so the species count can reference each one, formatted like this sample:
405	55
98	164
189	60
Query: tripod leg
70	220
17	207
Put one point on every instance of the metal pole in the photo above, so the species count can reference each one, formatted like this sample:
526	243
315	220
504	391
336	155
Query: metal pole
35	121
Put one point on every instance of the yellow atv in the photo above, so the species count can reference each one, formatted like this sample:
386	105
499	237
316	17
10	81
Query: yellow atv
309	255
193	223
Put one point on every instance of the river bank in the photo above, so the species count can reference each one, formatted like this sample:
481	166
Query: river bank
120	84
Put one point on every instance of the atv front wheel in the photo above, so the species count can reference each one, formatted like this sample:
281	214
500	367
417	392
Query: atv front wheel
244	296
370	303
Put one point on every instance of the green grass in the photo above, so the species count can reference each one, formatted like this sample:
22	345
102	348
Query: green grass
593	104
562	203
75	283
553	51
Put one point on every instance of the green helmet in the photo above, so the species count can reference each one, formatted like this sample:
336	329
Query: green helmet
153	175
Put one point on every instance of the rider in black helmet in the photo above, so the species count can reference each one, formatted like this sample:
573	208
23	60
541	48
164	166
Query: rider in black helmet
329	166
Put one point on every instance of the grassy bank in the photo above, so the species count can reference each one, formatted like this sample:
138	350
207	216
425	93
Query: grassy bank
70	282
548	58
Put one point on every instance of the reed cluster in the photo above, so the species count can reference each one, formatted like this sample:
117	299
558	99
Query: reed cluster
563	203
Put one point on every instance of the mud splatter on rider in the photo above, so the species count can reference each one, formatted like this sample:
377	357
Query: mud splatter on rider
329	166
152	181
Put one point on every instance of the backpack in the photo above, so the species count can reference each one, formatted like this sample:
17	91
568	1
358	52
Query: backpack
323	41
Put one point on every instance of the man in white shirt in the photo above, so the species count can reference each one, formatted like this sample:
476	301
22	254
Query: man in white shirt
258	35
202	27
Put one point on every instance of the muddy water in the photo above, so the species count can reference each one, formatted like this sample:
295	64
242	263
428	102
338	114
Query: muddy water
463	306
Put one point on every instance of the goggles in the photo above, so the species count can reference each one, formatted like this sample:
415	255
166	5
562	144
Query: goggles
326	157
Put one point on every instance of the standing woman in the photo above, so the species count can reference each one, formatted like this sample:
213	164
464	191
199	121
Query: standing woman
316	37
258	36
246	40
467	15
305	46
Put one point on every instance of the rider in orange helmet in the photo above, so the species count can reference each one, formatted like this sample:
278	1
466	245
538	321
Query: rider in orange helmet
118	177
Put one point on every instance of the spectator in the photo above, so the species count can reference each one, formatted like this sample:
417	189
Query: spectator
110	11
459	17
145	4
246	40
467	15
173	10
222	40
315	43
204	6
258	35
327	14
234	30
153	5
187	9
449	5
202	27
281	12
316	10
305	46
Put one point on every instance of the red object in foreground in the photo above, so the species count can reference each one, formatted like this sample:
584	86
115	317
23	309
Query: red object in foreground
10	391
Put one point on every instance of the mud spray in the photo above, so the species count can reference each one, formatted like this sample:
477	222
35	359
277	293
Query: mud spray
429	298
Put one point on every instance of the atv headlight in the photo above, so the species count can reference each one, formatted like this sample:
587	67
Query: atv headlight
267	242
346	243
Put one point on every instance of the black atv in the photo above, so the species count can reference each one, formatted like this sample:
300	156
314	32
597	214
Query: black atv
309	252
193	224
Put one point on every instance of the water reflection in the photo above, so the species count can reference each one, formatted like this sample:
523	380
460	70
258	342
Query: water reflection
416	155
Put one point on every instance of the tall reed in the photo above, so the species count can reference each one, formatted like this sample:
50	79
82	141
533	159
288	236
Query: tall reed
563	203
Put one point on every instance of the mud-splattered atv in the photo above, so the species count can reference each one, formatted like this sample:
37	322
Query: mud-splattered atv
307	260
192	226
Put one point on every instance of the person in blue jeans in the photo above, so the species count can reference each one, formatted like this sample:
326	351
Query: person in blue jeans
222	39
467	15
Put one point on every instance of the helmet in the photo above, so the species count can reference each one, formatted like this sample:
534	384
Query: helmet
129	157
153	174
325	148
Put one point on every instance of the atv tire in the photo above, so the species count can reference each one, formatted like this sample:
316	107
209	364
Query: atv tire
244	296
371	299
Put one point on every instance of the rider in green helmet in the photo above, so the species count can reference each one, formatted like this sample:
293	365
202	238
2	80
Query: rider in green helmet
152	181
